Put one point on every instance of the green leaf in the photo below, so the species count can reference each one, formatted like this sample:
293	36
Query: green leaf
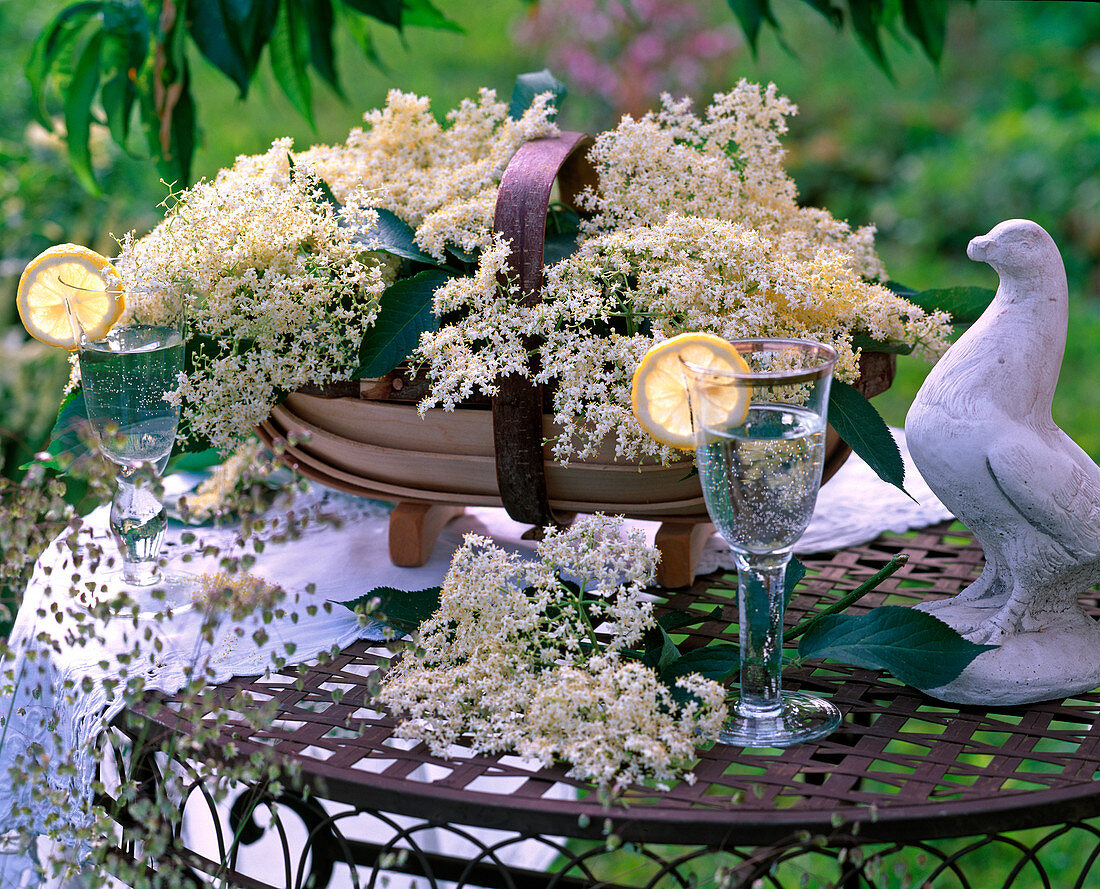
857	422
559	247
194	461
676	620
50	47
916	647
926	20
964	304
834	14
118	97
393	235
752	15
66	443
389	12
403	610
320	22
867	19
257	28
78	112
125	54
405	314
660	651
529	86
461	255
422	14
795	572
289	49
717	661
357	28
216	28
232	34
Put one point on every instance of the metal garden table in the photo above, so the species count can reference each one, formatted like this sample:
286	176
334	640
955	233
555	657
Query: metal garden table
910	791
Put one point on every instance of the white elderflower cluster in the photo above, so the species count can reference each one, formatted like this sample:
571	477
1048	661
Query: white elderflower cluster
281	293
695	227
625	290
440	179
727	164
237	594
282	287
515	658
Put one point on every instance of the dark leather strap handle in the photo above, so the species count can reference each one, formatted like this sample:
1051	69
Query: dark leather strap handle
521	208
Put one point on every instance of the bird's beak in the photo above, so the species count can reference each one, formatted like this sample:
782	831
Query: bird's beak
978	248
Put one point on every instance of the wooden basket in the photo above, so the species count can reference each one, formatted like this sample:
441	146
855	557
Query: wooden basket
368	438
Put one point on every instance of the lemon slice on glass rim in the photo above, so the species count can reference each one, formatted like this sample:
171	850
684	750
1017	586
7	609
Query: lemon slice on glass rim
68	272
659	394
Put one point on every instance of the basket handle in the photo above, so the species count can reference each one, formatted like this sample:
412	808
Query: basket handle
522	204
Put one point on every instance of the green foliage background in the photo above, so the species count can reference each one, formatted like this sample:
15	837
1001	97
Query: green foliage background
1008	125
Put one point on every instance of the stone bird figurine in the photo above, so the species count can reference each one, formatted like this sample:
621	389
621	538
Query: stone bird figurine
980	432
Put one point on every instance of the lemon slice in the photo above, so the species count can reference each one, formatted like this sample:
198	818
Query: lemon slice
86	279
659	395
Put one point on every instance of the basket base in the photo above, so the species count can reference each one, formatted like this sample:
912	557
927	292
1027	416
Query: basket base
378	445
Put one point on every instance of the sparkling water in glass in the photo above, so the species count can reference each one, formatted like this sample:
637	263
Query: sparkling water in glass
759	447
126	377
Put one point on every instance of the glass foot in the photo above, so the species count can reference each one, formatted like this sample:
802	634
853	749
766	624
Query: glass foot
802	718
172	592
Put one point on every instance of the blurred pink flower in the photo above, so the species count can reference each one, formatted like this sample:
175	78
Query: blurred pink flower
625	53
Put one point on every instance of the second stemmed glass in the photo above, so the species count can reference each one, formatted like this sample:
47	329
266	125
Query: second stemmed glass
125	377
759	447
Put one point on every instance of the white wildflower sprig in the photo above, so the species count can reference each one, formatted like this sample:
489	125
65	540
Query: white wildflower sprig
440	179
533	657
281	293
725	164
282	290
237	594
694	225
625	290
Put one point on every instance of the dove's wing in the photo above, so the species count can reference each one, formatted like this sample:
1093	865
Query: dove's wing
1053	485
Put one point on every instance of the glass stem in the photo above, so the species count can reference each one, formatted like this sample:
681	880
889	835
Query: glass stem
138	521
760	588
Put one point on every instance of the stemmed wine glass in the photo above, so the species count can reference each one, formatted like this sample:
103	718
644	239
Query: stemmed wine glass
126	376
759	447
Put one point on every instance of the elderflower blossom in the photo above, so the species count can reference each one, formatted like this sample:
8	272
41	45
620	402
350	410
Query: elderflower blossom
727	164
281	290
237	594
283	287
508	662
441	180
685	273
695	226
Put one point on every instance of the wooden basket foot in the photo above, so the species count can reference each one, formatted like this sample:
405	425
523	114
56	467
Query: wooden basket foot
414	528
680	545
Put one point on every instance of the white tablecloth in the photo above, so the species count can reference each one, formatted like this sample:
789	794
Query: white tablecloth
343	562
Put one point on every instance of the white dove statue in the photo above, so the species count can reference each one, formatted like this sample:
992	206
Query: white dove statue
981	434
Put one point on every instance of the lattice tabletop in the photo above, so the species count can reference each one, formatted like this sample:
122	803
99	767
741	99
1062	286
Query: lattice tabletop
903	766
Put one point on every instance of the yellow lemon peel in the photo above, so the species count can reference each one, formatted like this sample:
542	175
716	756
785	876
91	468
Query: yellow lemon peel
659	395
79	275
